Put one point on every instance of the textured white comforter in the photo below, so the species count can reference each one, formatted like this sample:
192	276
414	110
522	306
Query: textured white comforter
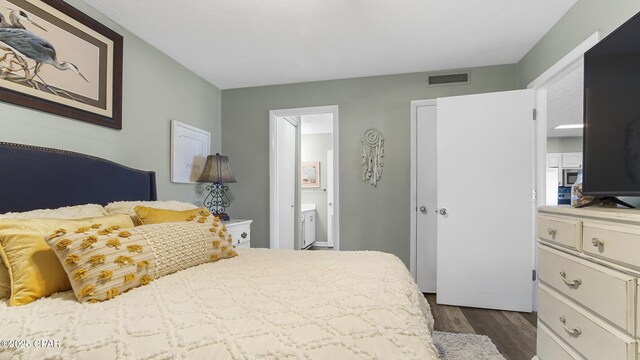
263	304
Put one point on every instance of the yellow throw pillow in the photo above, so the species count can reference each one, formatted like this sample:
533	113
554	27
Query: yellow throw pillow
34	269
148	215
103	263
5	281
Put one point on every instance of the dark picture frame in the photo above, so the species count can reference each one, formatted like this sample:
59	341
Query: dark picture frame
44	87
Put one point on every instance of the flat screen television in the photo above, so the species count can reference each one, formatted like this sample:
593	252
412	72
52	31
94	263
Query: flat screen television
611	165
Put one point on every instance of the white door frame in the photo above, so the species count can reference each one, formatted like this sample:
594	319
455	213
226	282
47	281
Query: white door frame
273	114
413	189
570	62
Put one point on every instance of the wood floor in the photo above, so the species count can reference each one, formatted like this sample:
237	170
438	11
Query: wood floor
513	333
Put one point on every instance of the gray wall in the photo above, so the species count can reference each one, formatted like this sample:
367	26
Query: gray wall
564	144
155	90
313	147
371	218
580	22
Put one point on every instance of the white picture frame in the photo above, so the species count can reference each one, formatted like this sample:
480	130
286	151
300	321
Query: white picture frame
189	149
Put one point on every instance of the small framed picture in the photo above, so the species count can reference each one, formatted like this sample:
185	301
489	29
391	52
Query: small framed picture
310	176
189	149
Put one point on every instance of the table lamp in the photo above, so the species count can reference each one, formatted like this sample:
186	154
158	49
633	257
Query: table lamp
217	172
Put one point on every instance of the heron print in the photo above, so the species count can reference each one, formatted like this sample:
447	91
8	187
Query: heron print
28	58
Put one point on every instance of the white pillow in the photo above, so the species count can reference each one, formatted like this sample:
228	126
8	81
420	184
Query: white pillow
67	212
126	207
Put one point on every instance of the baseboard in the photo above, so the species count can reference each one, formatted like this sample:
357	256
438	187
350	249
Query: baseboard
322	244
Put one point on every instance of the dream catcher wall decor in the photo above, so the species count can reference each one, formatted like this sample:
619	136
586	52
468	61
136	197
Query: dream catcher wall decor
372	154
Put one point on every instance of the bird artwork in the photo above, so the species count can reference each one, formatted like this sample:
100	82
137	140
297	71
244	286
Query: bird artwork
23	53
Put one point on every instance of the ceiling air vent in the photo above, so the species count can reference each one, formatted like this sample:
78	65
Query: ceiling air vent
448	79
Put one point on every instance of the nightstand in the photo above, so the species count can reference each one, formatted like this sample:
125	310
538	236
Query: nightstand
240	231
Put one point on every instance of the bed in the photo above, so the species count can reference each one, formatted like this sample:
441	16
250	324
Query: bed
262	304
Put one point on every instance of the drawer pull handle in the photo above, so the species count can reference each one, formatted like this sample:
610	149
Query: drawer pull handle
597	242
551	231
571	331
243	235
573	283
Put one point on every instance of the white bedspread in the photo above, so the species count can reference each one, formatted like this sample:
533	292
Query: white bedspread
263	304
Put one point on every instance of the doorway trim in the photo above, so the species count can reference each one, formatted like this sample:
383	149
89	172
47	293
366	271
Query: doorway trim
273	214
568	63
413	189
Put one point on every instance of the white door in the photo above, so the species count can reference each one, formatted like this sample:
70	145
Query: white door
286	177
329	197
485	162
426	220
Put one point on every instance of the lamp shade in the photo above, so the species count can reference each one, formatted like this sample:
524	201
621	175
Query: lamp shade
216	170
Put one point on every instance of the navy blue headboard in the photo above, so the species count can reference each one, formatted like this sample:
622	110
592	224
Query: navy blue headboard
34	177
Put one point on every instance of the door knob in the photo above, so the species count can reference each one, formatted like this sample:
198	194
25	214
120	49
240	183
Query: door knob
423	209
443	211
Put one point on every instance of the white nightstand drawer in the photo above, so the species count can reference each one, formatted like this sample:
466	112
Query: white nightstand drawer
240	231
607	292
591	337
240	235
560	231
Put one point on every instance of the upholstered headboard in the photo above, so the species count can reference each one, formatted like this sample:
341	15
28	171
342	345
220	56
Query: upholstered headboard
34	177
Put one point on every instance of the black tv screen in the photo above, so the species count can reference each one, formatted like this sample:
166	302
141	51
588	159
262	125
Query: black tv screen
612	114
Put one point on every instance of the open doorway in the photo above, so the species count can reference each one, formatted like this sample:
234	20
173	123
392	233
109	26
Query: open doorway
304	187
559	103
316	171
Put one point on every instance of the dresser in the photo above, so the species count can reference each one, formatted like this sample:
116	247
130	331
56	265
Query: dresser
240	231
588	270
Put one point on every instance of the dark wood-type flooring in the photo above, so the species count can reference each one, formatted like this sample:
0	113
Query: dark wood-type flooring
513	333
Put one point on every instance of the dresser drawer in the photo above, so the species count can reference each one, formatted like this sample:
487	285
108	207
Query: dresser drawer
550	347
565	232
607	292
615	243
589	336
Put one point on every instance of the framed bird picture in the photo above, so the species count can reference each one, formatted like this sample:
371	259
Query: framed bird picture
55	58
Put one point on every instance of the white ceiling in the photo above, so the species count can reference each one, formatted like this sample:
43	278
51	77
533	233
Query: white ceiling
241	43
564	104
316	124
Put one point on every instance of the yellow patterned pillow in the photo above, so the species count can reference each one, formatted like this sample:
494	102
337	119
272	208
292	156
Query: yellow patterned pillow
34	269
105	262
148	215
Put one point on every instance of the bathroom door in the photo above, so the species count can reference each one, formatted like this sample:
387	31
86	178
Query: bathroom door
286	183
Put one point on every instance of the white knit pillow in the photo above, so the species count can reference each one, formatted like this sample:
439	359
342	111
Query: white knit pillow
103	262
126	207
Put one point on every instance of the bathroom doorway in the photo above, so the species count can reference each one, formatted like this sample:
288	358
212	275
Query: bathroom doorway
316	174
304	216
